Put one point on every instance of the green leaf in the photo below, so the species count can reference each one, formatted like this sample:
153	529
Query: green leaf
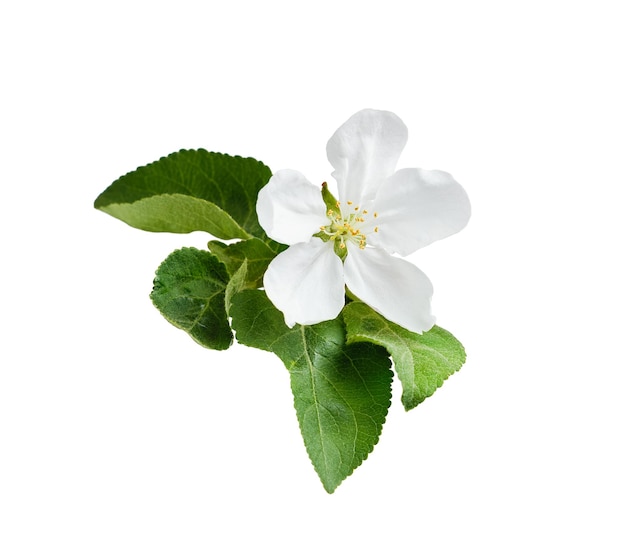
341	392
189	290
256	321
422	362
330	201
236	284
177	214
257	253
188	191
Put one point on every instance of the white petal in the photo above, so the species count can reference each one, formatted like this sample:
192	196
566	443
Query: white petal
417	207
290	208
364	152
393	287
306	283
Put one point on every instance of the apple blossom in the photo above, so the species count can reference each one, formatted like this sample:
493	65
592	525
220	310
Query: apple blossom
351	242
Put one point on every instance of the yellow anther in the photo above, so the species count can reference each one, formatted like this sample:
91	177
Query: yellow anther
376	214
376	229
345	228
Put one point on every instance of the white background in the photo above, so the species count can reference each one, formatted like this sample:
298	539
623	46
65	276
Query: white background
117	431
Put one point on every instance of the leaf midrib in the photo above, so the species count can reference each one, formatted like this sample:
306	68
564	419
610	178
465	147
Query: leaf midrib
314	391
205	308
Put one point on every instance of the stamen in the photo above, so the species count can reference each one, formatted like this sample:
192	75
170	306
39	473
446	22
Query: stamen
376	229
376	214
345	227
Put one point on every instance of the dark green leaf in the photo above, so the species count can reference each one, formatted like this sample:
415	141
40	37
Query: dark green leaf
189	290
422	362
341	392
188	191
256	321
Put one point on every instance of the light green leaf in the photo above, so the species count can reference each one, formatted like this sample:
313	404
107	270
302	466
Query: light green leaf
422	362
236	284
341	392
198	190
330	201
189	290
177	214
257	253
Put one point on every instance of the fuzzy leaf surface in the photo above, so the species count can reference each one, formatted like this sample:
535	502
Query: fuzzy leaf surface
190	292
341	392
422	361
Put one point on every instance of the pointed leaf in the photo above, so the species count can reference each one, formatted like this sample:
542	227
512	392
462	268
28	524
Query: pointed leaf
189	290
341	392
236	284
422	361
179	192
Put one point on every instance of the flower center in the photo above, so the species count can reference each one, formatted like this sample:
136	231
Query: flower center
346	225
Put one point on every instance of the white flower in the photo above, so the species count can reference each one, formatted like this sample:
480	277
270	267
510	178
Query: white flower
380	212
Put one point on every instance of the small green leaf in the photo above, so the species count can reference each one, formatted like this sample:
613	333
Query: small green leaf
189	290
341	392
257	253
188	191
236	284
422	362
330	201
